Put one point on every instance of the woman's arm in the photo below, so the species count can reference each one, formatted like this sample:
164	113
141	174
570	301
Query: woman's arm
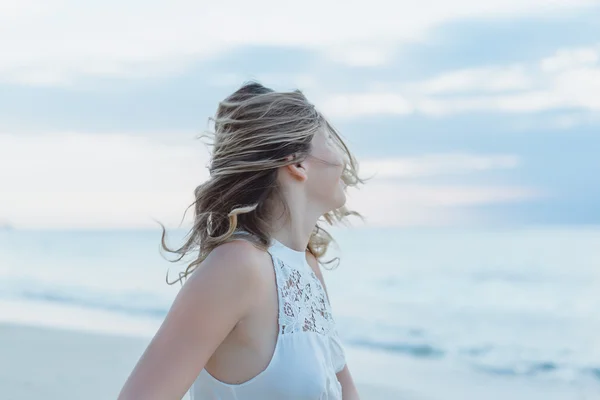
349	391
208	306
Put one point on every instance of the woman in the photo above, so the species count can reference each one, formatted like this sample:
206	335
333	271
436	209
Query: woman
253	320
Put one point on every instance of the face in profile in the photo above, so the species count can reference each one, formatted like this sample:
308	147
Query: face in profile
324	169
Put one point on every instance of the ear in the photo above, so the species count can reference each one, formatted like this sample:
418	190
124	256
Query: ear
296	170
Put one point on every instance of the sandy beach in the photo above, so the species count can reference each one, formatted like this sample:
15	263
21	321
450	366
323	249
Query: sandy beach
66	364
56	364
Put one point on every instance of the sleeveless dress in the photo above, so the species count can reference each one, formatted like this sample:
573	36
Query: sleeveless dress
308	352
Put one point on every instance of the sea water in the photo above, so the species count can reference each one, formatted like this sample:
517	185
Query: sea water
514	302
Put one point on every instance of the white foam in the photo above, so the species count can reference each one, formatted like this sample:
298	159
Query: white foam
38	313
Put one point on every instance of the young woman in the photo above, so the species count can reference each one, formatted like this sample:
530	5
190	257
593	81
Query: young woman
253	320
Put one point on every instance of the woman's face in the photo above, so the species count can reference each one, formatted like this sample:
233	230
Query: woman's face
325	165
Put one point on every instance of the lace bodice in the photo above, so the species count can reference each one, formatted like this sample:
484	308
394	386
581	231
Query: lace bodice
304	302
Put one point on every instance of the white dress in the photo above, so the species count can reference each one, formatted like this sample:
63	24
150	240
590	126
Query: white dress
308	352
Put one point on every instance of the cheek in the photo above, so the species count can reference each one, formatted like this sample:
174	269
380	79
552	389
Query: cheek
325	178
328	181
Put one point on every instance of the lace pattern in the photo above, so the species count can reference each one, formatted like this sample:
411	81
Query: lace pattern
303	303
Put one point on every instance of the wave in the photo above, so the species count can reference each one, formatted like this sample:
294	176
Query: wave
123	306
489	359
412	349
409	342
134	303
535	368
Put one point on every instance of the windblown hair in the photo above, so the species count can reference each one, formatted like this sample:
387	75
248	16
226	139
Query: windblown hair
255	130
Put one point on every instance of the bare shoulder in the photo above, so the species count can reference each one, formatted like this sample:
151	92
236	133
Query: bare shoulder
238	255
235	264
230	278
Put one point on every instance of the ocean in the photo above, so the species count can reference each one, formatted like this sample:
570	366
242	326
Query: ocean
514	302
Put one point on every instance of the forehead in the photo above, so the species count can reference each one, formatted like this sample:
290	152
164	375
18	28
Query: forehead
320	138
321	134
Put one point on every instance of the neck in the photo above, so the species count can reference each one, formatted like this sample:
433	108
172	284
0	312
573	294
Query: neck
294	230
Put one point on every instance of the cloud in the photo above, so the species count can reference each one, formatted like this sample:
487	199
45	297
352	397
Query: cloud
80	180
568	79
566	59
96	180
436	165
368	55
431	205
365	104
56	42
487	79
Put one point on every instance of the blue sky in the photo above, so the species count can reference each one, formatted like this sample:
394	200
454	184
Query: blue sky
469	113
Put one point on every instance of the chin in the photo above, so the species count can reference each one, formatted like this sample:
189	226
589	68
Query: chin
337	199
341	200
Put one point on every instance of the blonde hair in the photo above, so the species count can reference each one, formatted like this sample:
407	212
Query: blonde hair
255	130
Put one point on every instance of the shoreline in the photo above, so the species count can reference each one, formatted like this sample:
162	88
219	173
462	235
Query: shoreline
55	363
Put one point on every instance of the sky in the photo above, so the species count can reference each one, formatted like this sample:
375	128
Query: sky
467	113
